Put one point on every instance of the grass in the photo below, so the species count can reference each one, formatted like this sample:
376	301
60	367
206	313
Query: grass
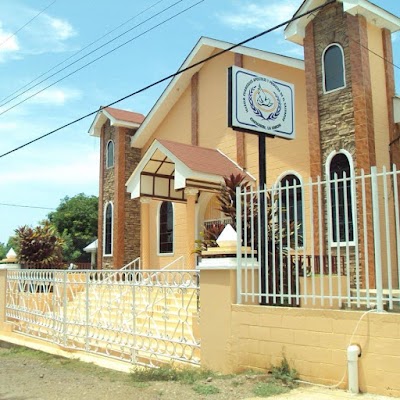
205	389
285	374
167	373
203	382
266	389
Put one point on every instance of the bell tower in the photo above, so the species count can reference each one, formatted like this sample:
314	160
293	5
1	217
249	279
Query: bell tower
350	94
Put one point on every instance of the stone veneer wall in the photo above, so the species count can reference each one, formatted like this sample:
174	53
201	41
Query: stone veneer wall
126	222
336	112
344	117
107	187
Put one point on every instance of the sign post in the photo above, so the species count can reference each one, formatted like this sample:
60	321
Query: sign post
264	106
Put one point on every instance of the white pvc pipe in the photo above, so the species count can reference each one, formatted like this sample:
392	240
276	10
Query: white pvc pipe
353	352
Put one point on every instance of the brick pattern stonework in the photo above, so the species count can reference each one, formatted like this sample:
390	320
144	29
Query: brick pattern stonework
341	119
126	217
336	112
108	193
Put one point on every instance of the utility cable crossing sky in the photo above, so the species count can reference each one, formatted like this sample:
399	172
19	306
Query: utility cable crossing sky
181	71
90	53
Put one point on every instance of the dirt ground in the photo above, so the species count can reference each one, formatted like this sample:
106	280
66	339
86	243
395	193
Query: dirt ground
27	374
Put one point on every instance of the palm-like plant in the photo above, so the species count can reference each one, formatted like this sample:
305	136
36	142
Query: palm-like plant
40	245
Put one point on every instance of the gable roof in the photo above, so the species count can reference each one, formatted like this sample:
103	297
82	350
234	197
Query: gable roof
168	167
203	49
117	117
295	31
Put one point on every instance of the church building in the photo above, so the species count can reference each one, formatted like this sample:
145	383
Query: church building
159	174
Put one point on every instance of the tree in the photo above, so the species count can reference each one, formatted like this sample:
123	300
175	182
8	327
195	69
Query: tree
40	245
76	221
3	251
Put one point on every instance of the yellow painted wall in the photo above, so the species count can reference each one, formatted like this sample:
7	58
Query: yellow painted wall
176	125
157	260
282	155
240	337
381	129
379	101
315	343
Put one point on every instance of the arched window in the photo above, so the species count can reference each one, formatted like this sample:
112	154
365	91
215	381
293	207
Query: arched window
333	68
110	154
166	228
292	208
108	228
341	193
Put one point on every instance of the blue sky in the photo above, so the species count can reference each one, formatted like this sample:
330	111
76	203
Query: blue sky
66	163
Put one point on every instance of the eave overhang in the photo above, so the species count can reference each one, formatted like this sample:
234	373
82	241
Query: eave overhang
102	116
295	31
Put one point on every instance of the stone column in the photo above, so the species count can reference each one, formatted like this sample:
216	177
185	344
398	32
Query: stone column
145	232
191	196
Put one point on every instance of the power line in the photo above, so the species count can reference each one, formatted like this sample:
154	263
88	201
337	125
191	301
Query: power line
181	71
96	59
81	58
24	206
22	27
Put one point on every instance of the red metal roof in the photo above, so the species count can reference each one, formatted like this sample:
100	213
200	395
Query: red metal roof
123	115
201	159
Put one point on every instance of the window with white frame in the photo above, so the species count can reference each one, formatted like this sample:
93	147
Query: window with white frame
341	199
333	68
291	210
166	228
110	154
108	227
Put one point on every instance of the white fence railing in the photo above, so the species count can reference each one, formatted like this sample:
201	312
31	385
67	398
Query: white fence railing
332	243
143	317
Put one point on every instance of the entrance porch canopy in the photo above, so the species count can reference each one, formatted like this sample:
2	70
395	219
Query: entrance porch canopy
167	168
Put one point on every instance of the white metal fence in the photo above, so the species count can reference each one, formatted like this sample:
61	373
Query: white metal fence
332	243
143	317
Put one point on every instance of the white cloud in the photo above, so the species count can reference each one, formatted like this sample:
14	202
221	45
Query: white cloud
256	16
56	96
8	44
46	34
396	36
61	29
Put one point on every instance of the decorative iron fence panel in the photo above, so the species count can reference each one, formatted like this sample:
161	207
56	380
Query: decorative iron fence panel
333	243
142	317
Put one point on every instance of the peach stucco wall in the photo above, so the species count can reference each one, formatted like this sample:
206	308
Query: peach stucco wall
213	132
379	101
238	337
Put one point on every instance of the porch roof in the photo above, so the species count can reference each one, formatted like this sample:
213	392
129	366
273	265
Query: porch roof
167	168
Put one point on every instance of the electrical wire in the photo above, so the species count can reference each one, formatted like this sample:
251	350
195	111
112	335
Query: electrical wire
22	27
83	57
103	55
25	206
181	71
76	53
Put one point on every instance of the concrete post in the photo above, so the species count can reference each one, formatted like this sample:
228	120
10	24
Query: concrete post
145	234
218	292
191	196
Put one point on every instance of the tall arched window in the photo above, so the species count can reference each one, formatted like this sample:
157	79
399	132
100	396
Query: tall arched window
166	228
292	208
341	193
333	68
110	154
108	228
